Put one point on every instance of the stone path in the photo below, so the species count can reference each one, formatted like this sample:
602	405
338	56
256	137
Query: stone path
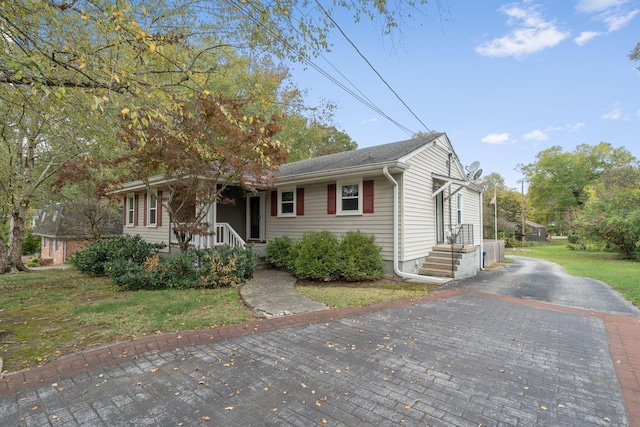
272	293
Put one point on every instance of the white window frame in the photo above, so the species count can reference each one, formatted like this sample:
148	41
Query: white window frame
339	185
152	195
459	205
293	202
131	210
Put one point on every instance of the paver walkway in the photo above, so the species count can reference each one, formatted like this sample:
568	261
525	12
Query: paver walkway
273	293
454	357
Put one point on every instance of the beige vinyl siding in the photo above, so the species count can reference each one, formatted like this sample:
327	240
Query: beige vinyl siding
151	234
419	207
471	213
379	223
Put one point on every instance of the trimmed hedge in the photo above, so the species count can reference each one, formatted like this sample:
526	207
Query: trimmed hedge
140	266
320	255
96	255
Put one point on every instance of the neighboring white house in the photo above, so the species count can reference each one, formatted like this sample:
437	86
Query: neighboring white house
413	195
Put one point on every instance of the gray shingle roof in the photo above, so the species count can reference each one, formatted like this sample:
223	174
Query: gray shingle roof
71	221
368	156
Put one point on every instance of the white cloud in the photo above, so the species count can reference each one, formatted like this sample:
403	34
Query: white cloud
576	126
496	138
532	33
368	121
591	6
612	13
585	36
614	114
536	135
617	21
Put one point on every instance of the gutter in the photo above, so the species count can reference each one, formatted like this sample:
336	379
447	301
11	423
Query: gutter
322	175
396	270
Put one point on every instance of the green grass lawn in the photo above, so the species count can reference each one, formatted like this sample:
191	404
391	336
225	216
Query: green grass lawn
361	294
622	275
47	314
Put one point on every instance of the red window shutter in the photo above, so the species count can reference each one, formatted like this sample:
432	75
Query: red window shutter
159	210
144	214
367	200
299	201
331	199
274	203
135	210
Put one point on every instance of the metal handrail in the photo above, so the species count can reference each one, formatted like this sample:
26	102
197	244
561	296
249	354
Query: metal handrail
460	234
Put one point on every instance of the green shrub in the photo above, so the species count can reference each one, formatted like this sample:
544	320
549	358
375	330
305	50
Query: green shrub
279	252
92	259
31	244
192	268
244	259
34	262
128	275
317	256
360	257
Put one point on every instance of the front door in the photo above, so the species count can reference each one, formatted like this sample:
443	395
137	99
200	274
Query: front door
255	217
440	217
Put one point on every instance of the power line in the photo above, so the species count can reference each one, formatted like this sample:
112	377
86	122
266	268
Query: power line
362	98
371	66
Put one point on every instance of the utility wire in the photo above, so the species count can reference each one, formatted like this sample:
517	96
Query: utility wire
371	66
363	99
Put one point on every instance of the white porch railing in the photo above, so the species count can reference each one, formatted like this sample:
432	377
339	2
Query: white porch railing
224	235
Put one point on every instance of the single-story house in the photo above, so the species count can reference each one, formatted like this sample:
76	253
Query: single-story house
413	195
67	228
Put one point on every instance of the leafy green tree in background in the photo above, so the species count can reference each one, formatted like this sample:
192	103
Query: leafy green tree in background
612	211
557	179
306	139
509	209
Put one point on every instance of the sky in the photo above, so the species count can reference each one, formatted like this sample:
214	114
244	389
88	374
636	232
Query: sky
505	80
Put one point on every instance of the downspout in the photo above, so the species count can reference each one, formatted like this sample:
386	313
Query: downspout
481	230
396	270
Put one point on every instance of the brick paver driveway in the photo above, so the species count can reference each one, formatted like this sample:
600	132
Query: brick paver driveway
456	357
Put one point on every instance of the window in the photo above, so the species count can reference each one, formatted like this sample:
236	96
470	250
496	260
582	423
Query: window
152	210
131	203
350	198
57	245
459	208
287	202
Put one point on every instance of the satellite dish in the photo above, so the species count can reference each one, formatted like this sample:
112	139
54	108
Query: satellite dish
473	167
477	174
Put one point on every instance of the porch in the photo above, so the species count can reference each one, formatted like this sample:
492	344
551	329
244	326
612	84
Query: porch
241	219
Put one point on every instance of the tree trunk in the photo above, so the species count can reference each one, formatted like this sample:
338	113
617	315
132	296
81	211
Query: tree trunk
16	238
4	262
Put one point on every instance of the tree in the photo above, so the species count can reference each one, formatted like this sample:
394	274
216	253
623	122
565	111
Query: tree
557	179
612	211
214	144
69	68
508	208
635	54
305	140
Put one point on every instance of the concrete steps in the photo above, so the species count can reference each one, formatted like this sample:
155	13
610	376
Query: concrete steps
443	260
